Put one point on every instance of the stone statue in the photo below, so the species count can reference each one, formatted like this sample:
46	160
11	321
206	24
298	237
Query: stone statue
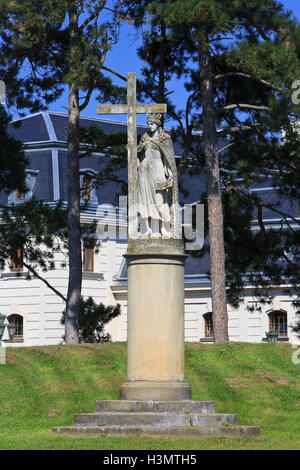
157	193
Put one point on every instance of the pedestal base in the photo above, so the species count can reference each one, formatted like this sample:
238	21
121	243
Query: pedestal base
184	418
155	390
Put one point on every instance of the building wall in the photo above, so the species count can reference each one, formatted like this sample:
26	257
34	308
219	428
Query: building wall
243	325
41	308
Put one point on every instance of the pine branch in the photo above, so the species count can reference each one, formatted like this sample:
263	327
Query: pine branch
33	271
36	275
287	259
188	106
220	39
225	148
235	129
246	75
245	106
169	93
114	73
93	16
91	89
259	205
284	214
86	99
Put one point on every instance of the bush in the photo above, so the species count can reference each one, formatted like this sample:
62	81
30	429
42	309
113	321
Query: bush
91	320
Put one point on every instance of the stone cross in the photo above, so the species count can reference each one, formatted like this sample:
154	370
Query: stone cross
132	108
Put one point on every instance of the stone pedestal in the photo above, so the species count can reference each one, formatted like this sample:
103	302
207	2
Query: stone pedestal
183	418
155	337
155	400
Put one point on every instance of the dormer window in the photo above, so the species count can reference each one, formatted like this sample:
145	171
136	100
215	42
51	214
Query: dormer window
87	186
17	197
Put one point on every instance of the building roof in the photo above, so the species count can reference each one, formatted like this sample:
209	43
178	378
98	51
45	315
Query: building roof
52	126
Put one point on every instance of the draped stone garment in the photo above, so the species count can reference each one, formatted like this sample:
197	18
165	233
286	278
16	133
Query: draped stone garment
158	181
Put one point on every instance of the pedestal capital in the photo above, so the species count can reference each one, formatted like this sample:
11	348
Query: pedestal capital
160	246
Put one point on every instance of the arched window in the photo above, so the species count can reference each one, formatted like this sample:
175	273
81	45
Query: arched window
278	322
208	325
17	321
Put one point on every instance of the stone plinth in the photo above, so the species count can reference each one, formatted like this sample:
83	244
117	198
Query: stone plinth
155	338
155	390
183	418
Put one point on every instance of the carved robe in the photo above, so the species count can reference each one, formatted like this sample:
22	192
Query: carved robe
158	181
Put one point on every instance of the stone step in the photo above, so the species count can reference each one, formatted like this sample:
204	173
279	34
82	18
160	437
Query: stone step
174	431
190	406
153	419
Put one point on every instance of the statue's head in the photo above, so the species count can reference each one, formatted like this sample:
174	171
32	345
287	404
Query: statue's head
154	119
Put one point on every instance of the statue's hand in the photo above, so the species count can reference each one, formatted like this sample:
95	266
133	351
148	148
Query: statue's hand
141	146
143	142
168	183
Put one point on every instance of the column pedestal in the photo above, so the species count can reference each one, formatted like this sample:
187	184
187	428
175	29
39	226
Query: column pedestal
155	338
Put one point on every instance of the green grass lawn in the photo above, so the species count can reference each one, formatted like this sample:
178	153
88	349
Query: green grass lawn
42	387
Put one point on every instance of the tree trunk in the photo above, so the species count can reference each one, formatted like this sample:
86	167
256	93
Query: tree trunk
162	61
215	213
74	234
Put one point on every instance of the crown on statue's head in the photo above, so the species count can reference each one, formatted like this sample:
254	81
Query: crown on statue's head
154	117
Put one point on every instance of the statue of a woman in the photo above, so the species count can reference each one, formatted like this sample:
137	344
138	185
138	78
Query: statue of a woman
157	193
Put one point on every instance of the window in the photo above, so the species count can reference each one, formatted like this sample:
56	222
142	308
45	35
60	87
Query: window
16	263
19	195
87	187
278	322
208	325
17	321
88	256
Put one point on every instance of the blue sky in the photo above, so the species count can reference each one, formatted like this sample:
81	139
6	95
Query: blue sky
123	59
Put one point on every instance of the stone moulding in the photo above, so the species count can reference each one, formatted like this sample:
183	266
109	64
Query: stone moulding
144	246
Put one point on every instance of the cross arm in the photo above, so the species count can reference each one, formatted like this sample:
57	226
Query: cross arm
112	109
138	108
150	108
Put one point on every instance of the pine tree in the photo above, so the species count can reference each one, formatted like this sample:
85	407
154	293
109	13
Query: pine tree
12	158
92	319
59	43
